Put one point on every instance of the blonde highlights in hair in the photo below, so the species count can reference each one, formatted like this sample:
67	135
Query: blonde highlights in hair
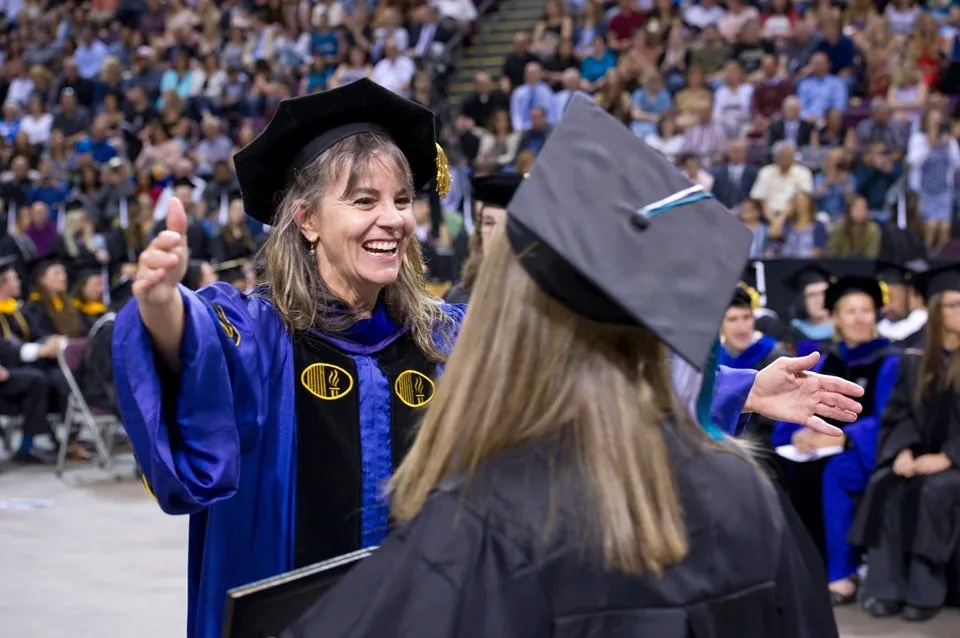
527	368
299	293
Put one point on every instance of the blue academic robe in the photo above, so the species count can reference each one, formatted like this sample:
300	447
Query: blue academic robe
753	356
219	442
844	478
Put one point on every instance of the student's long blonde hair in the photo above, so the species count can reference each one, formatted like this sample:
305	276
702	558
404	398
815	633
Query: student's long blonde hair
526	368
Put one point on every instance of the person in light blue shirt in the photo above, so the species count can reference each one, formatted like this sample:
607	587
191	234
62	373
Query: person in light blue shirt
89	55
648	103
820	91
533	93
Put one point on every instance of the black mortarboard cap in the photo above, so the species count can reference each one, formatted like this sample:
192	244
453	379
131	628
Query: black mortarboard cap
854	283
938	280
806	275
121	291
892	273
304	127
603	225
191	276
183	181
496	190
74	205
7	263
231	270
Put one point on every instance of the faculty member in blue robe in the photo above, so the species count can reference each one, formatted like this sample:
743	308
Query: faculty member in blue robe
274	419
825	491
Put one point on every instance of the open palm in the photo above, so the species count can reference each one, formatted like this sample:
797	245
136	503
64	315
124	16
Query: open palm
786	390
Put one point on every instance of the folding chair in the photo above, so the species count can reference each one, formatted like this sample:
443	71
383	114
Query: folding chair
10	422
100	425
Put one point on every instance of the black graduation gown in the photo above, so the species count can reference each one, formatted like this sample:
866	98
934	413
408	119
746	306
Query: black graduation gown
916	517
477	562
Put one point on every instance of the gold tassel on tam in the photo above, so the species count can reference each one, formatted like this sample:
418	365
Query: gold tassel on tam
884	293
754	296
443	172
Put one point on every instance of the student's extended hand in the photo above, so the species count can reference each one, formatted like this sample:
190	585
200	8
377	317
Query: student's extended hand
786	390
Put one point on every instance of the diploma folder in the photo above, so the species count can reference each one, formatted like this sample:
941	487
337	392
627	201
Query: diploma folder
265	608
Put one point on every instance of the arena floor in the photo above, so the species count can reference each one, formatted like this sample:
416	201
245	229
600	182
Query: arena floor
91	557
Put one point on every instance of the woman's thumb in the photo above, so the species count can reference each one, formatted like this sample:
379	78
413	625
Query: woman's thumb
801	364
176	216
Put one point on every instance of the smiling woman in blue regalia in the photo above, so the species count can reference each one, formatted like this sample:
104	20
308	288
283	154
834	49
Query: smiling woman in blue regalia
825	491
275	419
341	337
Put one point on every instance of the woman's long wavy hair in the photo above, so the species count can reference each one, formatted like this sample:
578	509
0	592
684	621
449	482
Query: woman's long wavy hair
527	368
934	376
301	296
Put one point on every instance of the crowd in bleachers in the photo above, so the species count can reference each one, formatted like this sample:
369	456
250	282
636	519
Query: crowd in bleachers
811	120
111	107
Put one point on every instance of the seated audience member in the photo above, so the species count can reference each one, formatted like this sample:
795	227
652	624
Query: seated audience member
804	236
777	183
50	309
789	126
734	178
908	515
821	90
833	187
827	476
24	389
87	297
856	235
878	172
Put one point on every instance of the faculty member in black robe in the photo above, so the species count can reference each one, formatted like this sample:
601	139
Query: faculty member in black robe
555	487
910	515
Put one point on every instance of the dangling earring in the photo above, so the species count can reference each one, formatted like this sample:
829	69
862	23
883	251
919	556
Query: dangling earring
313	251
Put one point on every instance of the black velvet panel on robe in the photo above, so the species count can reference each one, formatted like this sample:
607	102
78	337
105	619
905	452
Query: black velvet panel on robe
329	508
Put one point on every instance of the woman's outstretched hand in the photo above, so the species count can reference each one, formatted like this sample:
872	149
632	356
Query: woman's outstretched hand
162	265
786	390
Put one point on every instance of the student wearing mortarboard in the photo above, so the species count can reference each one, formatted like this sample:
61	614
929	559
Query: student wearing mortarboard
753	280
580	498
905	316
825	491
86	295
23	383
811	328
743	346
907	518
234	239
491	194
49	307
234	272
198	274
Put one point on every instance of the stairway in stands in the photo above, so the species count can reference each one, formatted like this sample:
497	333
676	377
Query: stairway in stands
492	44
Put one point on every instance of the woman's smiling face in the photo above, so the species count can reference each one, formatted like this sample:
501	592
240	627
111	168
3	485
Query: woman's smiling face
362	228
